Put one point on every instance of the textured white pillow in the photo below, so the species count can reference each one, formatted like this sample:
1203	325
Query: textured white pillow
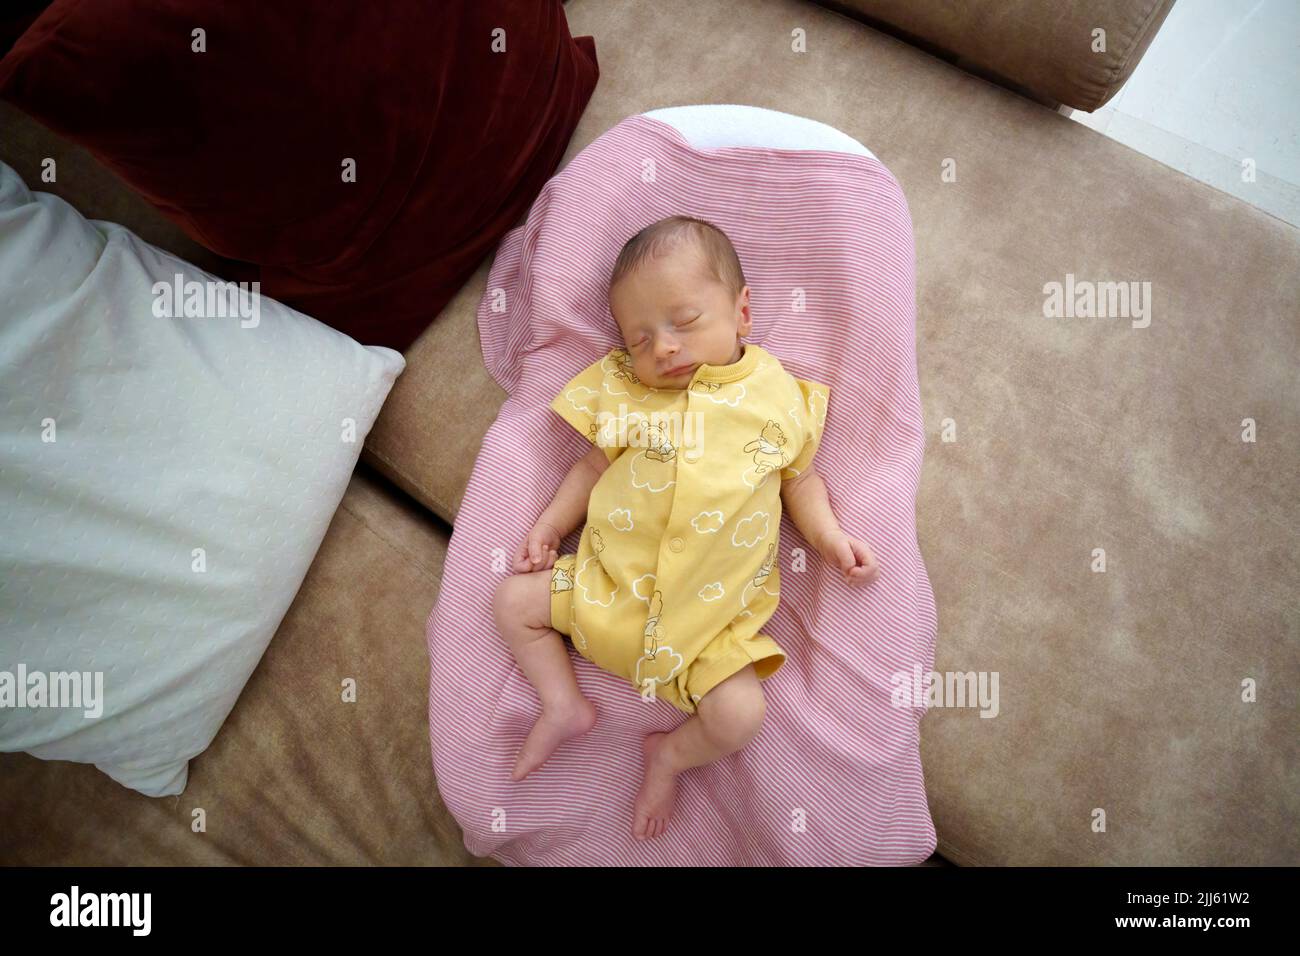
719	125
170	435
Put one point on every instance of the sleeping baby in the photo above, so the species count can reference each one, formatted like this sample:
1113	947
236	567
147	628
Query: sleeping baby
698	439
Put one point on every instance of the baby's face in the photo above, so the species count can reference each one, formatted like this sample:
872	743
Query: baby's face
674	316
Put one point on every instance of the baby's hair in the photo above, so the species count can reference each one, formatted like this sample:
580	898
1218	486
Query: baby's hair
664	236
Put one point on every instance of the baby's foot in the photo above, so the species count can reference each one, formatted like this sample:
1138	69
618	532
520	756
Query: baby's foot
553	728
654	804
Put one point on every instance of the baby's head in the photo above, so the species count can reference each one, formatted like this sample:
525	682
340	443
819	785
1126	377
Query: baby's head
679	297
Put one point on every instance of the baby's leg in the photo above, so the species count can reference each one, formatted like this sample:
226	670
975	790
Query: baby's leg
522	608
727	718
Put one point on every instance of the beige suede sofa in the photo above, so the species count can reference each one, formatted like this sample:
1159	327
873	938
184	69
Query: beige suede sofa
1121	736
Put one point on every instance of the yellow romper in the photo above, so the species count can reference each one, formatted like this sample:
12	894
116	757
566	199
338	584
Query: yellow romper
676	569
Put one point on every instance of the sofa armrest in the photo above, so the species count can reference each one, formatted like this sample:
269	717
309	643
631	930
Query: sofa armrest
1043	50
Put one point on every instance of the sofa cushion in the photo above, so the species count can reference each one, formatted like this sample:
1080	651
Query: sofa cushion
1119	688
452	116
428	435
298	776
1046	51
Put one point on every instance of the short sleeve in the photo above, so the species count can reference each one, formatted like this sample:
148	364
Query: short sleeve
580	404
810	412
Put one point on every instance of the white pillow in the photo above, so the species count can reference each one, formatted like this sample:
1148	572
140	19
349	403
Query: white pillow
720	125
128	442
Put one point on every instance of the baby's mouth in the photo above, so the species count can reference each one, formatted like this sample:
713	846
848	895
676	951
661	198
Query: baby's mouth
679	371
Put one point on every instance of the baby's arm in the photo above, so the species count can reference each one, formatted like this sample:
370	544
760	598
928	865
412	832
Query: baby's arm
805	498
566	511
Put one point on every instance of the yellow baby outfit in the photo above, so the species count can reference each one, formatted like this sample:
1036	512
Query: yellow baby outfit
676	569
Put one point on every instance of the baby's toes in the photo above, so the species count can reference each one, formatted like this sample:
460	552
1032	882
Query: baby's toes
648	827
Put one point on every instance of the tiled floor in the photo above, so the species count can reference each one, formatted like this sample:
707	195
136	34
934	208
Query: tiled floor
1219	86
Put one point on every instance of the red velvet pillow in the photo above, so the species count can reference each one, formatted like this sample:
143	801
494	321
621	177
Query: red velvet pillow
244	144
15	17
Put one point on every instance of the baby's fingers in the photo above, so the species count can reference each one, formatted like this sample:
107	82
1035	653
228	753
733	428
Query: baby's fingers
521	557
863	554
862	575
844	555
862	569
539	554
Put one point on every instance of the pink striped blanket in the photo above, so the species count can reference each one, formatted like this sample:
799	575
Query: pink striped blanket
834	776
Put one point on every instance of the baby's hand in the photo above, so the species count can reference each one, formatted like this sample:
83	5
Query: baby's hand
539	550
852	557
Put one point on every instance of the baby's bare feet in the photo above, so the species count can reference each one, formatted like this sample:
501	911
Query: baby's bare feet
654	804
553	728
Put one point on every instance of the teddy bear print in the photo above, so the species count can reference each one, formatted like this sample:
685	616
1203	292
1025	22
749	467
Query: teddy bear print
652	632
658	447
623	368
768	451
620	379
592	579
768	446
654	467
759	581
659	662
561	579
